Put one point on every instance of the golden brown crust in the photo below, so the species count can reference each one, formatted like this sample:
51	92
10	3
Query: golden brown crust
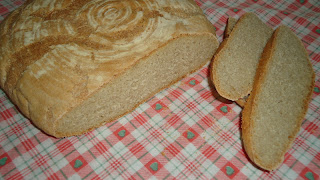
246	128
249	108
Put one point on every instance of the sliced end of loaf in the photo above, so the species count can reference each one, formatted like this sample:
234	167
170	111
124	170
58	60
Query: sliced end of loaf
277	105
159	70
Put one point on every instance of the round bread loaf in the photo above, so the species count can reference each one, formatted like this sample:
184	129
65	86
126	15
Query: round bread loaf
72	65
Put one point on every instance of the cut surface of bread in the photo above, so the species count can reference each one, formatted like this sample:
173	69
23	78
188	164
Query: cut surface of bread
162	68
230	24
70	66
235	63
277	105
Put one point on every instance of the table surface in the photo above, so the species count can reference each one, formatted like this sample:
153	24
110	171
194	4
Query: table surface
183	132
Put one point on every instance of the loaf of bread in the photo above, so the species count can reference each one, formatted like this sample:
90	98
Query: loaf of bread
73	65
279	100
234	65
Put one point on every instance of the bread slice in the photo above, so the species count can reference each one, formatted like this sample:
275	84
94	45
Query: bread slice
278	103
71	67
230	24
234	66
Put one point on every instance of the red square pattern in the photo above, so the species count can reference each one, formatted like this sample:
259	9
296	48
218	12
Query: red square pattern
223	109
302	2
159	106
121	133
145	159
80	164
230	170
316	30
235	10
190	135
6	164
76	162
193	82
308	174
153	166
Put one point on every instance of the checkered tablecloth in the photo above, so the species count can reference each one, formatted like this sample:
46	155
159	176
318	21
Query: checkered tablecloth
183	132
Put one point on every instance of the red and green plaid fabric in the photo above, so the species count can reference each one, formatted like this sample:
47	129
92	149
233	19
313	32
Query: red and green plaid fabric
183	132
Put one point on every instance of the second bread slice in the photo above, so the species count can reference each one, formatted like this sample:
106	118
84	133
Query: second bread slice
235	64
279	100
